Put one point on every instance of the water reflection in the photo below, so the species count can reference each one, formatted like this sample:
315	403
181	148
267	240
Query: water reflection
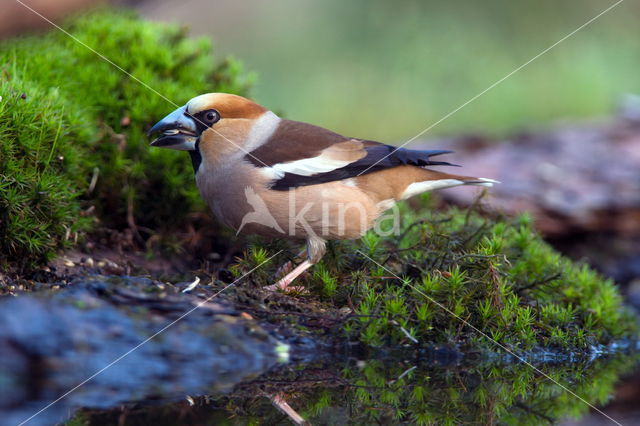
434	390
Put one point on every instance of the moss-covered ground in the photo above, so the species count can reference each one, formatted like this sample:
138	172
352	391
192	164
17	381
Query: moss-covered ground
448	275
73	149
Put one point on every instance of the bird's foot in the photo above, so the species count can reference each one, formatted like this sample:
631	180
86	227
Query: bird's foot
285	282
286	288
285	269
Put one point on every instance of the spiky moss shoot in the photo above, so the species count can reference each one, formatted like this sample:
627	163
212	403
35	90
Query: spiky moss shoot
40	175
445	272
68	117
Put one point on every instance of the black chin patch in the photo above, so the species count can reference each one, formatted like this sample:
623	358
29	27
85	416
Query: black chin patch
196	157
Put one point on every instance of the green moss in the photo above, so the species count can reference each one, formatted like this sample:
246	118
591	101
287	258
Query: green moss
39	170
68	116
458	278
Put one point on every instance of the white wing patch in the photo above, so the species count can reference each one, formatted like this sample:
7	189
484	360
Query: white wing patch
306	167
332	158
310	166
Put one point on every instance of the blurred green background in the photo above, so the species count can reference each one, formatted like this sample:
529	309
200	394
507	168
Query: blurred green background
387	70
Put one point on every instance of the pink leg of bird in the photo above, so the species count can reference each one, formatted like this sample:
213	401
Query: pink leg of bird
288	266
284	283
315	250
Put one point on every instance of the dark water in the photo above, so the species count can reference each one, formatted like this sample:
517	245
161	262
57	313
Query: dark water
218	366
434	388
122	339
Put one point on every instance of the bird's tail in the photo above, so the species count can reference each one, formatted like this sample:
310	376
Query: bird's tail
457	180
476	181
437	180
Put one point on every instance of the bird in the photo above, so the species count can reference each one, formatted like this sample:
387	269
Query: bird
260	212
266	175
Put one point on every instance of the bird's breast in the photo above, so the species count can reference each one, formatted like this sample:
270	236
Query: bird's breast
223	189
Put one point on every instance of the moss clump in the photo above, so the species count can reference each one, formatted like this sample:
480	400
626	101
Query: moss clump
67	117
494	273
40	171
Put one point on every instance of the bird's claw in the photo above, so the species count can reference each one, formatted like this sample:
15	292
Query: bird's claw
284	269
284	286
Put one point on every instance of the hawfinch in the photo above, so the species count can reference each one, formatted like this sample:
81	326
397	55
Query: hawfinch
265	175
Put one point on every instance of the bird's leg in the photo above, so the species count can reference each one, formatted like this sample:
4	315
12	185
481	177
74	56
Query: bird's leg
285	281
284	269
288	266
316	247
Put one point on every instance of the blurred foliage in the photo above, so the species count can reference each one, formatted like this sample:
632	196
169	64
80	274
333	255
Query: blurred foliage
67	117
387	70
495	274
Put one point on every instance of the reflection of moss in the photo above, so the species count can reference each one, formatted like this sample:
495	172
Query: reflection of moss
79	419
392	392
497	274
66	116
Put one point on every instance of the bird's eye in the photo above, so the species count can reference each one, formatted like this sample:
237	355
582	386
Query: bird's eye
211	116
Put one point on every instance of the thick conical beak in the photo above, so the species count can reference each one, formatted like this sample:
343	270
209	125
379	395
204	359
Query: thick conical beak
177	131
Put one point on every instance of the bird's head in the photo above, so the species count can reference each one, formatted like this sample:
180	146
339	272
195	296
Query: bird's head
211	113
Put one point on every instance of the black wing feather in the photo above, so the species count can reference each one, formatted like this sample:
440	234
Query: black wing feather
379	157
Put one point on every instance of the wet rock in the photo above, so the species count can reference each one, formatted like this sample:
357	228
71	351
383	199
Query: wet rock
135	333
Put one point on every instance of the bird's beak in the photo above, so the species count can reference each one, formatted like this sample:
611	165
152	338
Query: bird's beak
178	131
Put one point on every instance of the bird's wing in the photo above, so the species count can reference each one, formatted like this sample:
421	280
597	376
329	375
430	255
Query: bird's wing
300	154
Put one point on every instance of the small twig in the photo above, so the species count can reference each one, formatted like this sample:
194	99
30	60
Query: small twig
539	282
298	382
460	382
534	412
413	247
406	372
474	205
131	219
474	234
421	222
191	286
481	256
302	314
279	402
409	336
94	180
380	278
